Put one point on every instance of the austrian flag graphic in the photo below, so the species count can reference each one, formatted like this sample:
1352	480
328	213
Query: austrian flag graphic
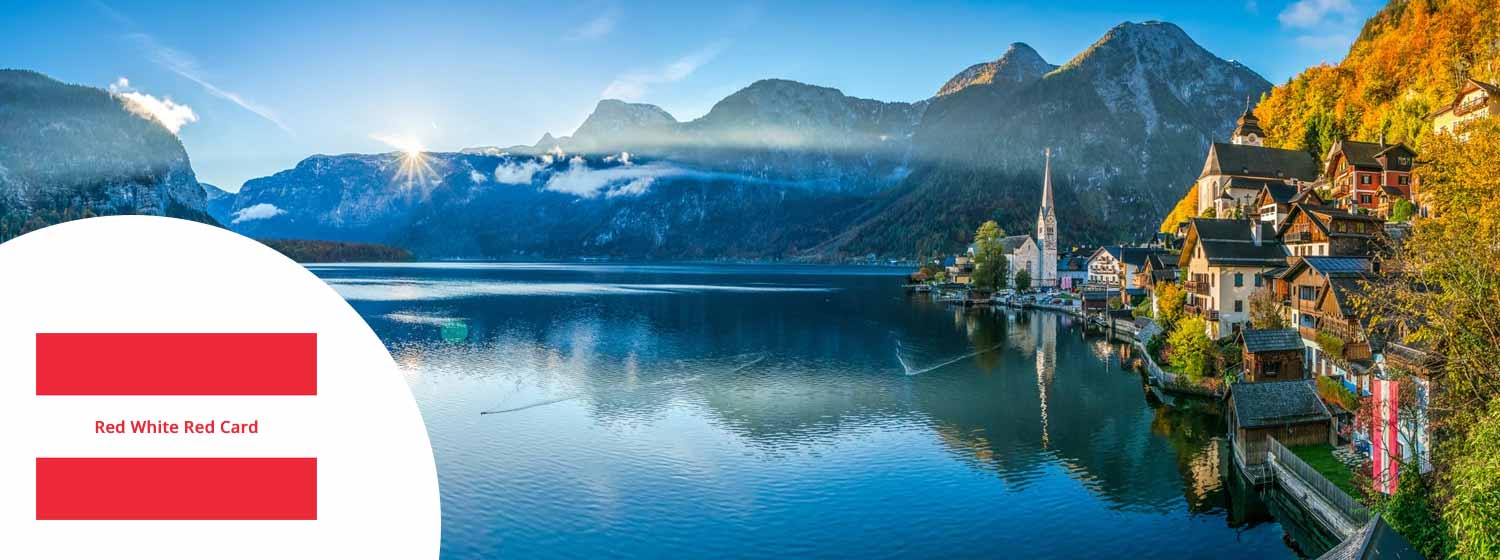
185	365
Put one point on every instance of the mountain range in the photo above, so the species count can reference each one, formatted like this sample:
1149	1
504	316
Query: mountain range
69	151
786	170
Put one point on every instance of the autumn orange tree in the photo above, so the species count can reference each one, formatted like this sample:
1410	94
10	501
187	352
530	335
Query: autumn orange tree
1409	59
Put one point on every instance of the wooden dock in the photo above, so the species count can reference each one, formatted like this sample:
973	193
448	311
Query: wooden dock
1335	510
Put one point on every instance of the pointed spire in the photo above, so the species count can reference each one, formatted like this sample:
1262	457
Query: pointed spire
1047	185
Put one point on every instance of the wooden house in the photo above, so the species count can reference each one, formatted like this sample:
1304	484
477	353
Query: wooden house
1475	100
1325	231
1271	354
1289	411
1276	199
1359	172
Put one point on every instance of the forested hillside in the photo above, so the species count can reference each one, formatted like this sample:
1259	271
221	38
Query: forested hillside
1409	59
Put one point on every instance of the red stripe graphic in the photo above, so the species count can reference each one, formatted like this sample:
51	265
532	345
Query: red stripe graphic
177	364
177	489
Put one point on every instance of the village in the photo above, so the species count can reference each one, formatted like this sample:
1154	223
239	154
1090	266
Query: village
1257	301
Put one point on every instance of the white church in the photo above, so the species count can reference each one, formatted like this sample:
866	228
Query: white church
1037	254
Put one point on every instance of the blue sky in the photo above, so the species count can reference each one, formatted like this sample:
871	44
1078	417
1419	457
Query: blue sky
255	87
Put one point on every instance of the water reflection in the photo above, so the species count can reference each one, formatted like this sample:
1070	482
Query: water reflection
841	418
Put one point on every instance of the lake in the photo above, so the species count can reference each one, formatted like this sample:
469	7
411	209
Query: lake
704	411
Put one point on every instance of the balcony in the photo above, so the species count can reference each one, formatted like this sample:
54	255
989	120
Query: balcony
1201	311
1298	237
1196	286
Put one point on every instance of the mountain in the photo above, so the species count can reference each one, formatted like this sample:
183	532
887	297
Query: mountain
1019	65
781	169
523	205
1128	120
70	151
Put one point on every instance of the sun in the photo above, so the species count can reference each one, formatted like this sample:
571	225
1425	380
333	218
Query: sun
415	170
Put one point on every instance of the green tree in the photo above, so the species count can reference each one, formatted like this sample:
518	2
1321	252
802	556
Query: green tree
1402	210
1265	310
1142	310
1023	280
990	266
1413	513
1170	299
1473	513
1192	351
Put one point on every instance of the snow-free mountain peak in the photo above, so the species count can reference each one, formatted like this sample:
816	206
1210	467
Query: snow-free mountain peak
1019	64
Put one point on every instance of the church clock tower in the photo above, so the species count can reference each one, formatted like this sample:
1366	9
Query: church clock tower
1046	231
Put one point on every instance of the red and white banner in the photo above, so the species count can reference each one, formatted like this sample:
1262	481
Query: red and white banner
172	390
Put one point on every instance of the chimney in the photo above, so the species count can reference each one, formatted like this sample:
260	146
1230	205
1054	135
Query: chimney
1255	232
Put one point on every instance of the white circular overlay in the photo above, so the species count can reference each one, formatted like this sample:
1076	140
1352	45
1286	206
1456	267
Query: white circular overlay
376	482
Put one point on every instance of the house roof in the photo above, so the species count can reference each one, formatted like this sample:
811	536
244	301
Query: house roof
1376	541
1010	244
1339	267
1341	288
1280	192
1259	161
1469	85
1322	215
1136	256
1271	340
1305	194
1276	403
1162	261
1360	154
1230	243
1253	184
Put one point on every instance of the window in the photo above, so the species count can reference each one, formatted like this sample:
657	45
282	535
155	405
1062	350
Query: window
1305	293
1239	281
1258	280
1403	180
1239	306
1364	179
1364	199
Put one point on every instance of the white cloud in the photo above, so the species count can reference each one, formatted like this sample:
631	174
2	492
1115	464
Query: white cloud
622	159
257	212
596	27
182	64
519	173
1305	14
632	86
170	114
582	181
634	188
476	177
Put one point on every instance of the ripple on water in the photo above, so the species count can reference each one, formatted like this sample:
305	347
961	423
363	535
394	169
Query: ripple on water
728	414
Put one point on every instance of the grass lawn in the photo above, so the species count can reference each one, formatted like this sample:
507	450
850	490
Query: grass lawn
1320	457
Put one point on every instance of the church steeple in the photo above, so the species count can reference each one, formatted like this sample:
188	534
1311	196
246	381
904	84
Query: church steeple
1248	132
1046	187
1046	230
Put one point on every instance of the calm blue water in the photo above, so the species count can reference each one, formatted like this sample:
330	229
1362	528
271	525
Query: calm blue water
582	411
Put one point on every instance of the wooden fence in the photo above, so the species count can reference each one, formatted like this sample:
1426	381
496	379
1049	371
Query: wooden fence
1325	488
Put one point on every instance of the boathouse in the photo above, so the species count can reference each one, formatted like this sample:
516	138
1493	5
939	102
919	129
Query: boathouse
1290	411
1271	354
